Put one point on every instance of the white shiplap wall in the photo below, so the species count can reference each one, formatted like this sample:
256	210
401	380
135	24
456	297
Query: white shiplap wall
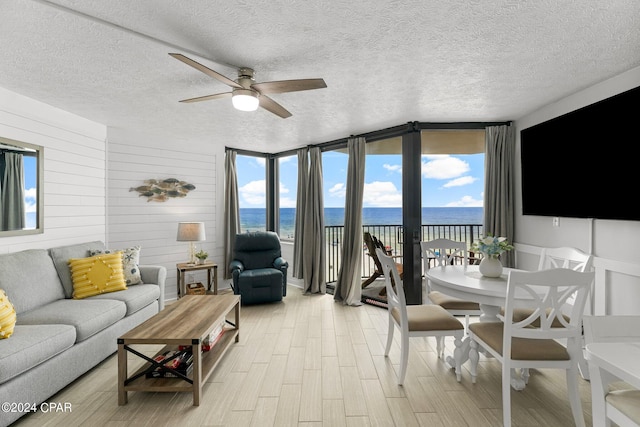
132	220
74	171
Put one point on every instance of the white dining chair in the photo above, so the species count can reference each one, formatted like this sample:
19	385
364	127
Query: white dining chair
423	320
518	345
447	252
611	399
561	257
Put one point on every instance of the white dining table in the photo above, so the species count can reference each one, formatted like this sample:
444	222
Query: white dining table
619	359
466	282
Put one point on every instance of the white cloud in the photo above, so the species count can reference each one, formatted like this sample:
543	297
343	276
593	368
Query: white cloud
465	202
30	200
261	161
381	194
393	168
338	190
459	182
286	202
443	167
254	192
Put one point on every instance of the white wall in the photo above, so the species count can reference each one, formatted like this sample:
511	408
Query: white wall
611	242
133	220
74	171
85	200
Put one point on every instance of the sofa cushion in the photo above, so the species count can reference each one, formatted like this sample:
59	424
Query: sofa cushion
30	279
7	316
135	297
96	275
61	256
31	345
88	316
130	263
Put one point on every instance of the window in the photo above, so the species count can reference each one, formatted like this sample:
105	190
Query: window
287	195
24	162
252	192
452	170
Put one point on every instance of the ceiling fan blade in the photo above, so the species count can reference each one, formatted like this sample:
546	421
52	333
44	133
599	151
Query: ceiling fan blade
272	106
206	70
208	97
283	86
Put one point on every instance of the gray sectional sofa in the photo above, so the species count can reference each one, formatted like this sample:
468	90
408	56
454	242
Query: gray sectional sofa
56	338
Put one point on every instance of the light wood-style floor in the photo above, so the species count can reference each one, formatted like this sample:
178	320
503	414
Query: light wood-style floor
310	361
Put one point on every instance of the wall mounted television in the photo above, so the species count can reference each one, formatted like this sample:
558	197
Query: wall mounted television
583	164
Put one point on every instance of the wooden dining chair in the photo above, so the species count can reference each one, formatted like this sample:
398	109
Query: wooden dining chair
518	345
612	400
447	252
424	320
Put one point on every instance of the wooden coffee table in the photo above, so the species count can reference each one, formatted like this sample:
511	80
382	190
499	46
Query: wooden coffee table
187	322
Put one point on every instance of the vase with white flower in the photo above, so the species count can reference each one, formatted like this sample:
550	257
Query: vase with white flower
491	248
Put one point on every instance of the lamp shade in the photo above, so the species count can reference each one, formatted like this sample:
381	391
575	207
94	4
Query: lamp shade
191	232
245	100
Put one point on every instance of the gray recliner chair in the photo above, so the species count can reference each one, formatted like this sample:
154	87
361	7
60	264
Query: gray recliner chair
258	269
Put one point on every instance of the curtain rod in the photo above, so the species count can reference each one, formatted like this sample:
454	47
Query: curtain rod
381	134
22	152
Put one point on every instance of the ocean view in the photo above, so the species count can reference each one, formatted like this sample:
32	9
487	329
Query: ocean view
254	219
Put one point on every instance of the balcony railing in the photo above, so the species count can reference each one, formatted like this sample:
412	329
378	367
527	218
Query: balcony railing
392	236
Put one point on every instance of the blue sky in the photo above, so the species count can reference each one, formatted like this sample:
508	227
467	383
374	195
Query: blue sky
30	179
447	180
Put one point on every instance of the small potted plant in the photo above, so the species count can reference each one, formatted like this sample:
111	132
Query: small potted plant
202	256
491	248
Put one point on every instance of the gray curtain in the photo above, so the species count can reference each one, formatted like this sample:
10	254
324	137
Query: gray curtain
301	200
499	195
314	253
348	286
12	214
231	209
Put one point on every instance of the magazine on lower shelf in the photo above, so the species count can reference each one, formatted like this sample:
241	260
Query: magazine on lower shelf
213	338
210	340
182	363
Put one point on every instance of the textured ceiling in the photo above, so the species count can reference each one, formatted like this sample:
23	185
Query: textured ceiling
385	62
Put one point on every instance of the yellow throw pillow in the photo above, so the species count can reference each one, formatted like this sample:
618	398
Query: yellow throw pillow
97	275
7	316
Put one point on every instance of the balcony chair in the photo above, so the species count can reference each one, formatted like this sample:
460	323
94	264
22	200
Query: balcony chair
372	244
444	252
258	269
424	320
612	400
519	345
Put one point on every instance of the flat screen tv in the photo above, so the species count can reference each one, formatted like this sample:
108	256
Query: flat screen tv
583	164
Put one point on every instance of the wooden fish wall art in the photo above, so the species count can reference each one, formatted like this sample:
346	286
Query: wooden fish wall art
162	190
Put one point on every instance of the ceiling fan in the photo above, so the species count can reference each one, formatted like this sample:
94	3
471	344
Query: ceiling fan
248	95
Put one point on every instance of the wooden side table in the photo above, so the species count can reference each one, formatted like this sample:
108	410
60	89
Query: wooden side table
212	275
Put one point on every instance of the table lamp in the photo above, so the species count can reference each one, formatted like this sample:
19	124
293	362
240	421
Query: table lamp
191	232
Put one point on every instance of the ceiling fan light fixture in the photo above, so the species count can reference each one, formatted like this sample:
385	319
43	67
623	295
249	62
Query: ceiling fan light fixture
245	100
